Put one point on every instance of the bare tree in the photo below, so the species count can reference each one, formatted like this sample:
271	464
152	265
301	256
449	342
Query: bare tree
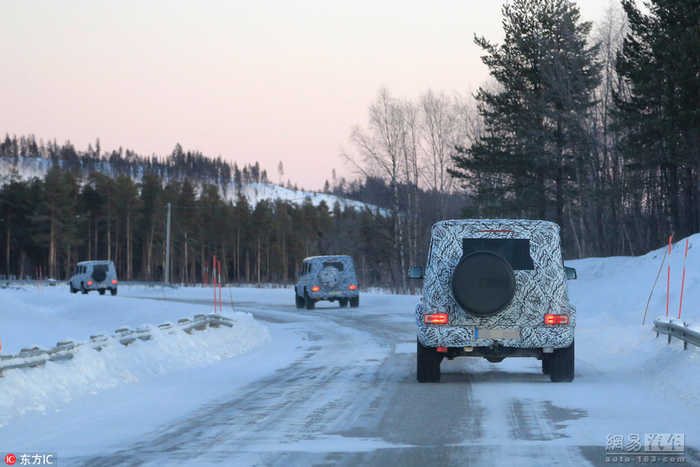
447	122
380	147
410	148
606	168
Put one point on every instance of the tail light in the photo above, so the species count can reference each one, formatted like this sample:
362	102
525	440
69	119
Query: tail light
352	287
315	288
89	282
442	349
114	281
553	320
435	318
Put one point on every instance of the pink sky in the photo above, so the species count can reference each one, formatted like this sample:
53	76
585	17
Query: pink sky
248	80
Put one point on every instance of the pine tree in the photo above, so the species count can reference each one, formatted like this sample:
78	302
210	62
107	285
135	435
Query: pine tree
150	215
60	208
660	64
534	118
127	204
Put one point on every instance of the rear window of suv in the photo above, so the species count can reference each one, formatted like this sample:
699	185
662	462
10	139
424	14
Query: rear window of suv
100	268
515	250
335	264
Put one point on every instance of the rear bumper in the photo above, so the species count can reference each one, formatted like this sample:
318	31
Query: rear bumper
101	285
536	337
333	295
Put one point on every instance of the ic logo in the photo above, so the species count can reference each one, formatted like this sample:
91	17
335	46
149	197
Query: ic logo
10	459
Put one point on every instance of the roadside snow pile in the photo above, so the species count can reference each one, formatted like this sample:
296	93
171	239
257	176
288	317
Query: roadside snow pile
610	296
617	288
39	320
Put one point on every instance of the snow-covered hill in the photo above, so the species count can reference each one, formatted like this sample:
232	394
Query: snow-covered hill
255	192
26	168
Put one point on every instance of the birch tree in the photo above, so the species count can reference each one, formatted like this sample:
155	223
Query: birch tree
380	150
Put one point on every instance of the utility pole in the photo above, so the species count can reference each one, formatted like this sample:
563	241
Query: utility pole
167	249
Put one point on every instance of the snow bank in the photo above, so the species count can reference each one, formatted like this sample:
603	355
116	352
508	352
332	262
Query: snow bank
610	297
43	316
622	284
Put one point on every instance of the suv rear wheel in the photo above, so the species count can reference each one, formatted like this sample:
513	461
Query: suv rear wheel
113	291
299	300
546	364
354	302
308	301
343	302
427	364
83	290
561	365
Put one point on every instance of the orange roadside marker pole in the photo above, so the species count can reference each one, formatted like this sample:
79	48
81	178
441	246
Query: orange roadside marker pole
221	298
213	273
668	279
685	258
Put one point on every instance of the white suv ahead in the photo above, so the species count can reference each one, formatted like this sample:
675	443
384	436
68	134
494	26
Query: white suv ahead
94	275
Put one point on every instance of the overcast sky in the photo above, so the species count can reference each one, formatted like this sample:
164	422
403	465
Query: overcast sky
263	81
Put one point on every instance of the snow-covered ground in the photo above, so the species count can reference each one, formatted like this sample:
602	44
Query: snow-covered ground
340	384
42	316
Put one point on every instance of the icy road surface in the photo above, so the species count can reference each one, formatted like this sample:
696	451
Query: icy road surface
338	386
351	398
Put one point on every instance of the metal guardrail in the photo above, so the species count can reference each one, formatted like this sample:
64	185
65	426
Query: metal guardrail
33	357
679	330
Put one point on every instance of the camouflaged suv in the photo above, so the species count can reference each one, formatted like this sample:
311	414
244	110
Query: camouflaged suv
94	275
329	278
495	288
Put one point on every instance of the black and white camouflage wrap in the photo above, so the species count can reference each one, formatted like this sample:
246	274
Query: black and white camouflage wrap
537	292
332	282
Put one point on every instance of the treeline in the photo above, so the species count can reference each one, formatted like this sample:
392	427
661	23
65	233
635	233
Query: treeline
54	222
596	130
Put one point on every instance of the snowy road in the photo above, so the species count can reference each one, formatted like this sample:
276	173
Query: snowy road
351	398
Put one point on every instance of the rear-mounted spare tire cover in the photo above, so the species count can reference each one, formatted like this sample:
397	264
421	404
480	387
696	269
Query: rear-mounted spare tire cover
328	276
99	272
483	283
